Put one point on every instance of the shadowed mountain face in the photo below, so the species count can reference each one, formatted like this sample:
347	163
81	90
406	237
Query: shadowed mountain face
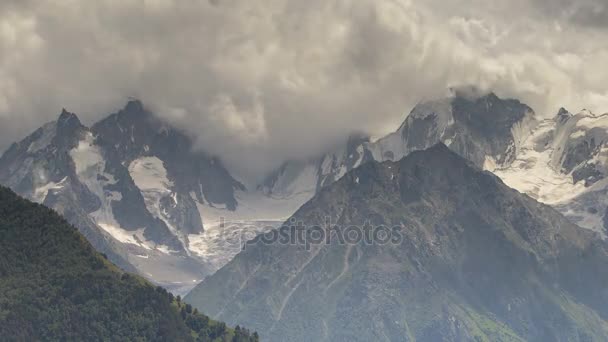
475	261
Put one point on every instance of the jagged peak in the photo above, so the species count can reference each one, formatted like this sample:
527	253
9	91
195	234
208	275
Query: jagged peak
136	110
563	115
134	106
442	108
563	111
67	118
131	114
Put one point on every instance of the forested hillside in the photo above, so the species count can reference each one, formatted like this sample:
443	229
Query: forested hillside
55	287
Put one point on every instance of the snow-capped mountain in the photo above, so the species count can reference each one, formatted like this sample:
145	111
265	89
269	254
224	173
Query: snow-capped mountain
468	259
484	129
297	177
564	163
560	161
138	190
133	184
41	168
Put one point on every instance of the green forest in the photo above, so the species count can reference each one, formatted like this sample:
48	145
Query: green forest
55	287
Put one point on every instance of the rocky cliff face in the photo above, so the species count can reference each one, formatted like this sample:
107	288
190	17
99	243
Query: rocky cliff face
476	261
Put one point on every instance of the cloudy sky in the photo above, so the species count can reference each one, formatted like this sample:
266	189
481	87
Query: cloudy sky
260	81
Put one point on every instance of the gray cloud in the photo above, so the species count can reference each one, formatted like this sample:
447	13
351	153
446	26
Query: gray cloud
592	13
258	82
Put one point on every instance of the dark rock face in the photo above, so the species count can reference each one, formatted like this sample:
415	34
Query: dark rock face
578	153
475	128
589	172
489	120
354	155
477	262
134	132
584	135
417	130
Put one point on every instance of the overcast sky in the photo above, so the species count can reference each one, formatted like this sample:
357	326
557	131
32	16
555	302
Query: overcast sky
259	81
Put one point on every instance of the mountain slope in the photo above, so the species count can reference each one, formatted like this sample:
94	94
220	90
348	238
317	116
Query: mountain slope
132	184
477	261
55	287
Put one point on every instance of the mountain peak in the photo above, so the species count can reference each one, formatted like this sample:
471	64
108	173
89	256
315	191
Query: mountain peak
67	118
458	232
134	110
563	111
134	106
563	115
438	158
132	116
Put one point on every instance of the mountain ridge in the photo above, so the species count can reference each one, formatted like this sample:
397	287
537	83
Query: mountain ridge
144	197
477	261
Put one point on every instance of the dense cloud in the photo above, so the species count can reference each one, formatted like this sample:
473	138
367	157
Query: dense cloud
259	81
581	12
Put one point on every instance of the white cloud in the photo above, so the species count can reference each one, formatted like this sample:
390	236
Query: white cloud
258	82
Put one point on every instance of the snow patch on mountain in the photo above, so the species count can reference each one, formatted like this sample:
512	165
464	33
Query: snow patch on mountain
41	192
125	236
522	130
564	163
150	176
226	231
90	170
533	171
219	243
